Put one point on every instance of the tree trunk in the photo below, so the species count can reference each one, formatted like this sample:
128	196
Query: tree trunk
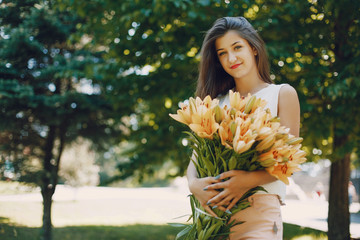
47	203
339	216
47	185
50	176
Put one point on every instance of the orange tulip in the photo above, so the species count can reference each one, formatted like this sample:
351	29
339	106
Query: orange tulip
244	124
210	103
242	143
283	171
288	160
298	156
204	125
183	115
236	101
226	134
241	125
259	119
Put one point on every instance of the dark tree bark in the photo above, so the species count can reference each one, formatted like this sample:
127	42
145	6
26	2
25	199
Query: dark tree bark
339	216
50	177
48	188
47	223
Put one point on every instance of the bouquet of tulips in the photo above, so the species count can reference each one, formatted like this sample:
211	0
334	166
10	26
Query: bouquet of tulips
242	136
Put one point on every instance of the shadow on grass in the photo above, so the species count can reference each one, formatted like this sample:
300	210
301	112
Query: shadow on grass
292	231
131	232
10	231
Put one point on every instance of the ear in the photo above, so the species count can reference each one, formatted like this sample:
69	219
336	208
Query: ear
255	51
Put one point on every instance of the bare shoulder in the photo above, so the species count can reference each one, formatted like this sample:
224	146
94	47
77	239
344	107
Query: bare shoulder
287	91
288	95
289	108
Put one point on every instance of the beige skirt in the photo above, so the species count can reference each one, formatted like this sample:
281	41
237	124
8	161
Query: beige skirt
262	221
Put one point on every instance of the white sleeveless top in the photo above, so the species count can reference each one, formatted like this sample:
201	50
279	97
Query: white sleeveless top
271	95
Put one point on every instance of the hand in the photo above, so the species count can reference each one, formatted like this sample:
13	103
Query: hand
197	186
237	183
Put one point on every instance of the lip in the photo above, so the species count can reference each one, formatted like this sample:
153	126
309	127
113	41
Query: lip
235	66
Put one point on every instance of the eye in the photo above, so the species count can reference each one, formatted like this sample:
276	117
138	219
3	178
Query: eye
237	47
221	54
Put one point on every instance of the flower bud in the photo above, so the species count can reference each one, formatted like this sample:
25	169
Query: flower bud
233	113
294	141
275	119
280	135
233	127
249	105
268	162
219	114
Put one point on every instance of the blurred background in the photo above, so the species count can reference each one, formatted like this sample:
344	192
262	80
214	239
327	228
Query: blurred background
87	149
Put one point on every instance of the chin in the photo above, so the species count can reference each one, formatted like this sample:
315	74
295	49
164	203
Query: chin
237	76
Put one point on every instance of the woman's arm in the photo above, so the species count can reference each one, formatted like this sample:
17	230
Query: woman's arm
197	185
289	109
191	172
240	182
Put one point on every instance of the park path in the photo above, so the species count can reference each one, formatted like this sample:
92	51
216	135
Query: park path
123	206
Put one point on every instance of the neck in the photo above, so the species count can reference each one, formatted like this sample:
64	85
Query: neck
249	85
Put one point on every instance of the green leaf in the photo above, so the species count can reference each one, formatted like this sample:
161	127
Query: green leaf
177	224
183	233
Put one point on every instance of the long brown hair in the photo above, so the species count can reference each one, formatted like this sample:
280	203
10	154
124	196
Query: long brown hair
213	80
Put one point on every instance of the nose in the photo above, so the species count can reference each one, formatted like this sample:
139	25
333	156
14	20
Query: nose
231	57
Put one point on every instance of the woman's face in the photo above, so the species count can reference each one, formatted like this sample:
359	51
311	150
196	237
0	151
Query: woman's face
236	55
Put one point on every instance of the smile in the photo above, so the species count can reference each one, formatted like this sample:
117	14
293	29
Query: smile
235	66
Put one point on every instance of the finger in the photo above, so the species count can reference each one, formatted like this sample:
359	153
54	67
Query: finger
232	203
211	212
216	199
225	175
226	201
222	208
211	180
215	186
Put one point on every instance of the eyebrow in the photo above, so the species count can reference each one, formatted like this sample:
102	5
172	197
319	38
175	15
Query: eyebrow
231	45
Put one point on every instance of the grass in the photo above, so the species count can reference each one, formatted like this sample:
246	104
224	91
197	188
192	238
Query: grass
10	231
131	232
104	219
295	232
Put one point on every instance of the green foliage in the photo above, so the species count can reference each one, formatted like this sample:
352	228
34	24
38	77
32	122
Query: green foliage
47	100
43	82
151	55
312	45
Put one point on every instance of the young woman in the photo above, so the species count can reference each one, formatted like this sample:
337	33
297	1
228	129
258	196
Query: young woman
234	57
